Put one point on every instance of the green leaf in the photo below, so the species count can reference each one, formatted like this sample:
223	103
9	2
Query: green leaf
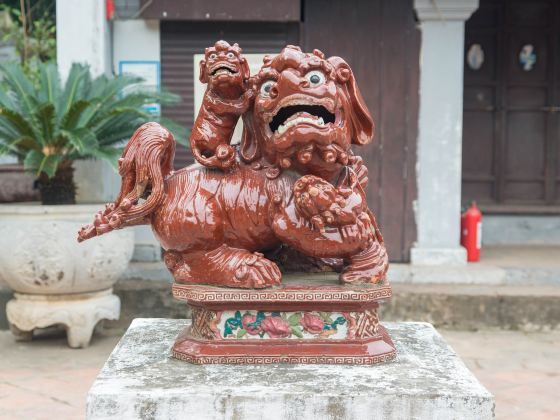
294	319
49	82
38	162
297	331
74	114
227	331
17	122
46	115
15	78
74	82
109	154
119	118
82	139
119	134
326	316
241	333
340	320
103	92
18	146
5	99
233	322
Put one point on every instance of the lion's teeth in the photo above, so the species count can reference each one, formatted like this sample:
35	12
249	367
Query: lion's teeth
282	128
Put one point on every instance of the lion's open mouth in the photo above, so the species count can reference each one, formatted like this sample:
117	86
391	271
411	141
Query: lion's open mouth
289	116
222	69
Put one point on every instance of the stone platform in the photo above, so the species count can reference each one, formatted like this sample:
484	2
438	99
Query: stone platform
427	380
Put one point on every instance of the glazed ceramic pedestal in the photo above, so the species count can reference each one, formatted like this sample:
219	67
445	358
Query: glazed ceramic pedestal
425	381
310	322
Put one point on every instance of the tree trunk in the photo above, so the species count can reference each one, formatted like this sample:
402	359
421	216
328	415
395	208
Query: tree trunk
60	189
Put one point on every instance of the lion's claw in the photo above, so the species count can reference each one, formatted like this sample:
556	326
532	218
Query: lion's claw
255	271
322	204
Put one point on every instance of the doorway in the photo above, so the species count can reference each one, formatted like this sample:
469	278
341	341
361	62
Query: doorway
511	131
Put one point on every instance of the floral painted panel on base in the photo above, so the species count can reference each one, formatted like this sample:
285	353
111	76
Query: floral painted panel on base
260	324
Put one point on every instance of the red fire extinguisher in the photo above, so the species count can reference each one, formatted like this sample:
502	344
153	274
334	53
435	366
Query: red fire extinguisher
471	232
110	9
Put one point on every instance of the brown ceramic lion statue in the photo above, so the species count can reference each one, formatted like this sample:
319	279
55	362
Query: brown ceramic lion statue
295	181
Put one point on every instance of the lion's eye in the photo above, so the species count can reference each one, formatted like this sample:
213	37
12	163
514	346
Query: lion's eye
213	56
230	55
265	88
315	78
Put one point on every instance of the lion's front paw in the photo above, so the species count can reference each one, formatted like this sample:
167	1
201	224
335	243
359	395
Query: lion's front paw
255	271
321	203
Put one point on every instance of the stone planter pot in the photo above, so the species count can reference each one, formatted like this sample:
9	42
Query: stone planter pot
55	279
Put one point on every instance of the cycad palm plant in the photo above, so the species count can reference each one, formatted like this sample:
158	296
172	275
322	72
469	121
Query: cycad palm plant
48	125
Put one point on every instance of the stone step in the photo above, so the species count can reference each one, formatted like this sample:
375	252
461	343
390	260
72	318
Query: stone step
461	302
499	265
456	298
473	307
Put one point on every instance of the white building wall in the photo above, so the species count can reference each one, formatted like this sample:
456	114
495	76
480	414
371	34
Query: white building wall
135	40
82	35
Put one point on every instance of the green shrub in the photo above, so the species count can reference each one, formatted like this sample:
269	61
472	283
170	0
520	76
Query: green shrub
48	125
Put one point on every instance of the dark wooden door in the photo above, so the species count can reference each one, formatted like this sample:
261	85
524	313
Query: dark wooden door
381	42
511	101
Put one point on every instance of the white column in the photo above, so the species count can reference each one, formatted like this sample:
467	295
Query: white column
440	131
82	35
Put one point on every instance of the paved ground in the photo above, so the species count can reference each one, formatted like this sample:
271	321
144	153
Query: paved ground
522	370
46	380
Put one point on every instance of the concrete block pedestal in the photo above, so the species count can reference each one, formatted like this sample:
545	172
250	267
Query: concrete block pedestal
427	380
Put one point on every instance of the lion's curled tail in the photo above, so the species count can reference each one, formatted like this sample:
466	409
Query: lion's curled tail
145	163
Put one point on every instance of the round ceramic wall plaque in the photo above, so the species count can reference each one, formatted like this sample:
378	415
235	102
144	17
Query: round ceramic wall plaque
475	57
527	57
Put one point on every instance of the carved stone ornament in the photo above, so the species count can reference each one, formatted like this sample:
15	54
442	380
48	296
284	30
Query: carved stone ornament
293	181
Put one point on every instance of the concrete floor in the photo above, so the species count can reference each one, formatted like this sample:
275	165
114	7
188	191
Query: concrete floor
45	379
536	256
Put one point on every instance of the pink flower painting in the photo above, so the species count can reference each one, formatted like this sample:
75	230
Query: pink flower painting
312	323
276	327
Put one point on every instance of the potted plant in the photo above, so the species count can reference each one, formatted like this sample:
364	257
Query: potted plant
48	126
27	34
